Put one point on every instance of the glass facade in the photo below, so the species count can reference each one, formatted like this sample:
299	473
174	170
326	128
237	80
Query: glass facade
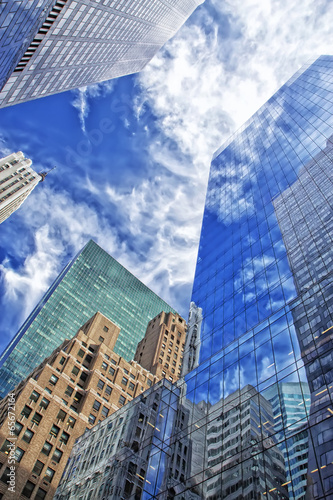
255	411
70	43
92	282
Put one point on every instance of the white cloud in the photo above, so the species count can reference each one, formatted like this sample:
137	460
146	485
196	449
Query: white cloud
84	95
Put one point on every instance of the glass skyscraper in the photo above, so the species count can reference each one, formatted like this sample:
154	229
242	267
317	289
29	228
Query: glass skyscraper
49	46
93	281
255	412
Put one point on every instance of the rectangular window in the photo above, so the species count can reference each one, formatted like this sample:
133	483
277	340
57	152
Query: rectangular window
100	384
28	489
149	382
44	403
104	365
75	370
26	411
34	396
41	494
113	362
18	428
105	411
80	353
108	390
112	371
124	381
27	436
101	339
36	419
132	376
69	391
47	448
61	415
62	360
49	473
131	386
91	419
5	447
57	454
54	430
53	380
96	405
105	328
38	467
18	454
64	437
71	422
122	400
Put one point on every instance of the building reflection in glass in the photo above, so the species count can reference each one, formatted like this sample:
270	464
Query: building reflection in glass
252	417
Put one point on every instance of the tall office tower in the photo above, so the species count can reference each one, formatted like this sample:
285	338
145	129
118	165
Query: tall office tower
92	281
161	350
80	384
50	46
17	180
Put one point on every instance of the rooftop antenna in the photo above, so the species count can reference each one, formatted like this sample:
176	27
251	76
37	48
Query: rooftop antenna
44	174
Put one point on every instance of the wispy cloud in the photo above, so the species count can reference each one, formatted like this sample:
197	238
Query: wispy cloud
84	95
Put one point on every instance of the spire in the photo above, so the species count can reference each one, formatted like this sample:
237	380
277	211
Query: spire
44	174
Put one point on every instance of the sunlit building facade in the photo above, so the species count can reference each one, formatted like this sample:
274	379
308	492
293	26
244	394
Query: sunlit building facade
255	413
49	46
17	180
92	281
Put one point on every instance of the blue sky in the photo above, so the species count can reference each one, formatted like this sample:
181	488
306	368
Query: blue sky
133	154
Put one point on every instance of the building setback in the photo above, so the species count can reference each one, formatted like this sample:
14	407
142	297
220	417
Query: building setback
51	46
80	384
17	180
92	281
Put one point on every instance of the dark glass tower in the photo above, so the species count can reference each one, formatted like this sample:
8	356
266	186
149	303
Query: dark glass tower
255	415
92	281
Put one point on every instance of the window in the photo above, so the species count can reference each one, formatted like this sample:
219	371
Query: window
54	430
44	403
105	328
124	381
77	397
96	405
175	356
36	419
64	437
131	386
5	447
169	351
38	467
57	454
47	448
49	473
113	362
112	370
172	370
18	428
18	454
88	359
100	384
62	360
170	344
174	363
149	382
168	358
26	411
91	419
163	346
34	396
104	365
75	370
105	411
80	353
5	475
69	391
101	339
108	390
122	400
41	494
126	371
28	489
27	436
71	422
132	376
160	361
53	380
61	415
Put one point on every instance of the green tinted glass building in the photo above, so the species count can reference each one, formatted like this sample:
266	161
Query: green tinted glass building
92	281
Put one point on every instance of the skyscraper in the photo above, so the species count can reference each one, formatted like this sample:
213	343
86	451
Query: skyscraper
92	281
17	180
50	46
256	413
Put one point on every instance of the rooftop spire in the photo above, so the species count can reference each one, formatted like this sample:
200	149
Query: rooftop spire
44	174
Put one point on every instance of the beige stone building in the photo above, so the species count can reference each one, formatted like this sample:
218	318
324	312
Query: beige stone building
161	350
80	384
